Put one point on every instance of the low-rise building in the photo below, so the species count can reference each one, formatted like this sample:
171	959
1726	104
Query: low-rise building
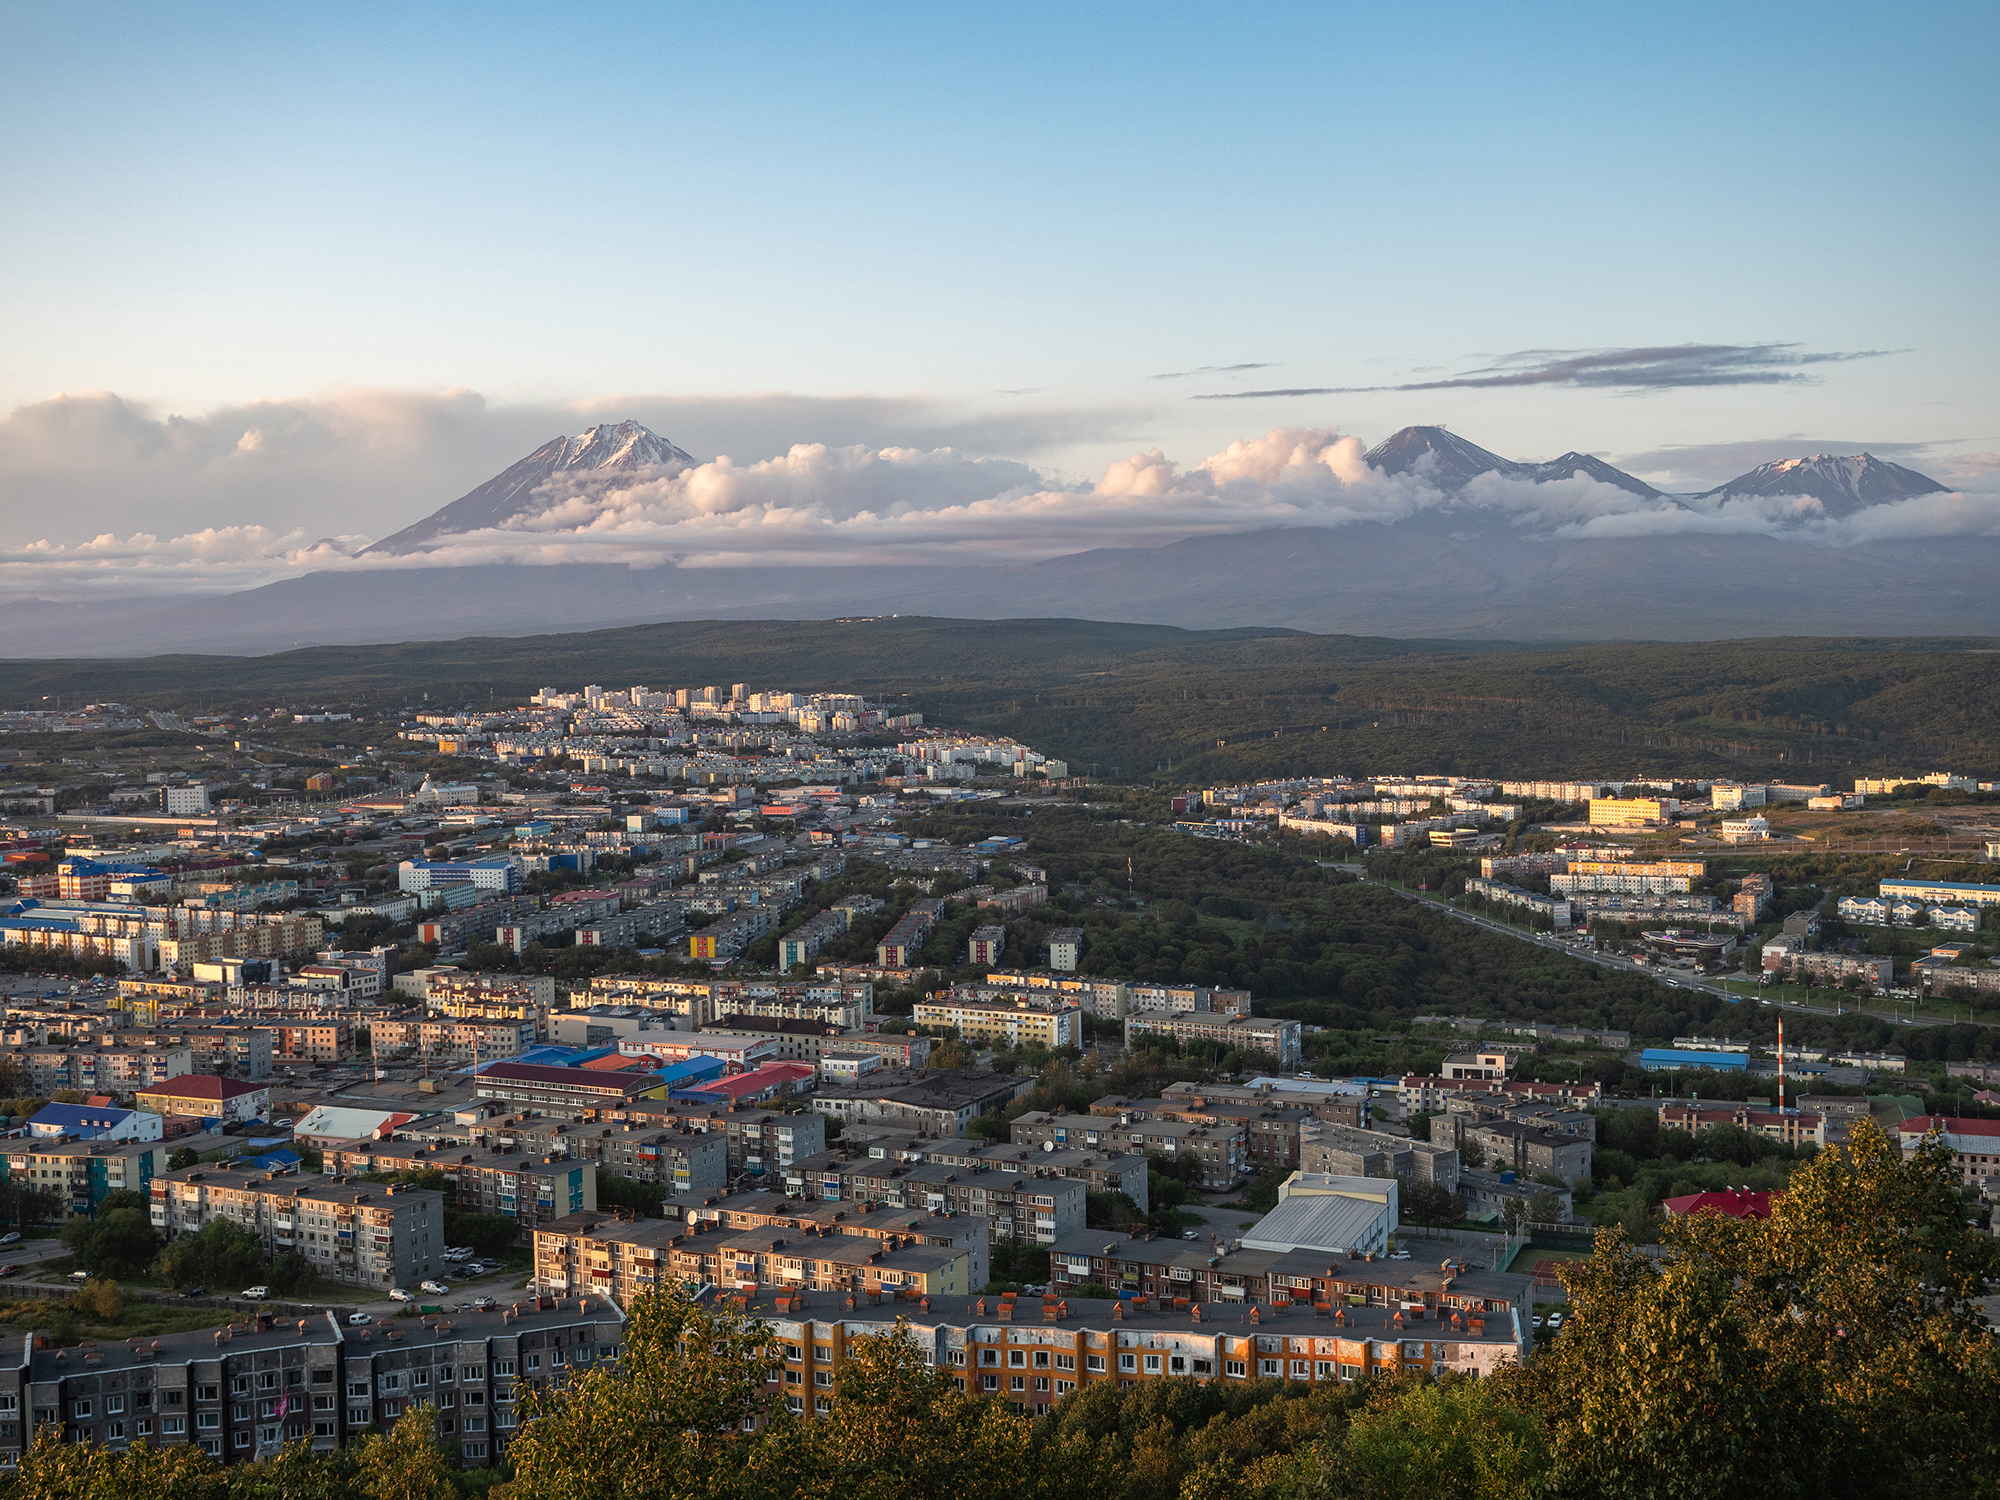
1507	1145
1345	1151
1279	1040
1974	1144
1010	1025
1221	1150
205	1097
940	1101
563	1088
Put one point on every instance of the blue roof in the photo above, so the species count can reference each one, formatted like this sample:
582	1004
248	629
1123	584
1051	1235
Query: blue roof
269	1161
1888	887
70	1116
1675	1057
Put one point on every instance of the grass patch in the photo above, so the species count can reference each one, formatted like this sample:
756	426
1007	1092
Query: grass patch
1525	1258
148	1319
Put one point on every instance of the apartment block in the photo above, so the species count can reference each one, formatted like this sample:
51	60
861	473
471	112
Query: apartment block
679	1158
1010	1025
82	1173
100	1066
528	1187
449	1041
1509	1145
1032	1203
941	1101
1279	1040
1344	1151
1222	1150
242	1391
358	1233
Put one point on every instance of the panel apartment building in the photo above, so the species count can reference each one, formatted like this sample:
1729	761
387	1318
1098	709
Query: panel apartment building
357	1233
82	1174
1221	1149
1017	1024
526	1187
1280	1040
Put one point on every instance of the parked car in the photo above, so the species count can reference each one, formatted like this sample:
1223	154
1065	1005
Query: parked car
1399	1255
1189	1234
1555	1321
11	1237
435	1288
484	1304
398	1294
79	1276
10	1270
355	1320
256	1293
197	1290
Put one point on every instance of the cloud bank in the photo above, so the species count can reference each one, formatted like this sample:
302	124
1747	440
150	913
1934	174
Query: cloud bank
819	504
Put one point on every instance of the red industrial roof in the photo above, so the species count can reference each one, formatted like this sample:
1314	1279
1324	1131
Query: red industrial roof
611	1062
1921	1125
742	1085
202	1086
1734	1202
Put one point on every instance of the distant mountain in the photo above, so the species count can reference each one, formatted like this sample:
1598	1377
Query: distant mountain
1444	458
567	464
1841	485
1451	462
1572	464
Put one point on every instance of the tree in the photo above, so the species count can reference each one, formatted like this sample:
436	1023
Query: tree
1545	1208
118	1239
666	1420
1459	1440
183	1156
407	1462
220	1253
1430	1204
99	1298
1834	1348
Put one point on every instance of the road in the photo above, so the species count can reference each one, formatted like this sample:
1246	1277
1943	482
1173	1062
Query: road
1575	948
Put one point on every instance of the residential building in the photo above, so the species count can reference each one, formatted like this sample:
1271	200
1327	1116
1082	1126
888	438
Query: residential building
1556	908
1280	1040
678	1159
986	945
499	874
801	1041
206	1097
1010	1025
1509	1145
444	1042
1789	1127
1491	1065
93	1122
1330	1101
1271	1131
1974	1144
904	941
527	1187
1753	897
82	1173
1629	812
1953	893
357	1233
1421	1095
100	1066
1488	1195
1065	948
941	1101
241	1392
1344	1151
1222	1150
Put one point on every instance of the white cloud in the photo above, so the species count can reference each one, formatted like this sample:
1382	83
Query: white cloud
812	504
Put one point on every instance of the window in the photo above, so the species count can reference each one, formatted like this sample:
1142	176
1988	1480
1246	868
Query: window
1127	1363
239	1385
534	1361
1064	1387
469	1372
322	1377
1094	1363
1017	1359
1017	1382
242	1439
357	1416
323	1429
208	1393
989	1356
1041	1382
240	1411
795	1377
823	1353
989	1382
475	1398
268	1381
1065	1361
1233	1367
958	1356
503	1367
1324	1369
114	1432
113	1405
81	1409
212	1447
1041	1359
173	1398
1152	1364
420	1378
208	1420
823	1377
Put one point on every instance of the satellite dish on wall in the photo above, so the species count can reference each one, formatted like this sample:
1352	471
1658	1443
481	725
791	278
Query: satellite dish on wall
1048	1145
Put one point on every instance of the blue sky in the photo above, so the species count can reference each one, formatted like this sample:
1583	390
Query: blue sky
1012	218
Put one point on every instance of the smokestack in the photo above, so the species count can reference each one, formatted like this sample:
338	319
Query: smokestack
1781	1063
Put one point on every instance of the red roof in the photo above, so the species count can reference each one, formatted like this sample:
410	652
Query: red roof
1921	1125
611	1062
741	1085
1735	1203
202	1086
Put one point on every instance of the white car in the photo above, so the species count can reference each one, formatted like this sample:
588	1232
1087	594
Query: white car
1555	1321
1399	1255
398	1294
11	1237
435	1288
256	1293
355	1320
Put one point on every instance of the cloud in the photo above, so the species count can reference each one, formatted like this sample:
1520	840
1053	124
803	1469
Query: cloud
1652	369
813	504
1210	370
97	462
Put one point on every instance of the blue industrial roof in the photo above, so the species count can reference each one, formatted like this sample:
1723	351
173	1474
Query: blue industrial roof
1674	1057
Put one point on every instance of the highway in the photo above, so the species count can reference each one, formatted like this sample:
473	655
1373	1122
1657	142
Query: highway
1578	948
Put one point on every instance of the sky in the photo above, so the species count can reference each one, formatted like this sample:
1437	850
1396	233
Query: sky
272	274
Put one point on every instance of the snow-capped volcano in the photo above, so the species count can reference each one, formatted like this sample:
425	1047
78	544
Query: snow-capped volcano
561	467
1841	485
1451	462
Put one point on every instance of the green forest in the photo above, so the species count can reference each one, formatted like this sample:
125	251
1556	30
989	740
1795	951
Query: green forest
1131	699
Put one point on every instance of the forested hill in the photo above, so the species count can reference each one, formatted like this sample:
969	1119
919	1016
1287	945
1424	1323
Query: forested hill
1127	700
